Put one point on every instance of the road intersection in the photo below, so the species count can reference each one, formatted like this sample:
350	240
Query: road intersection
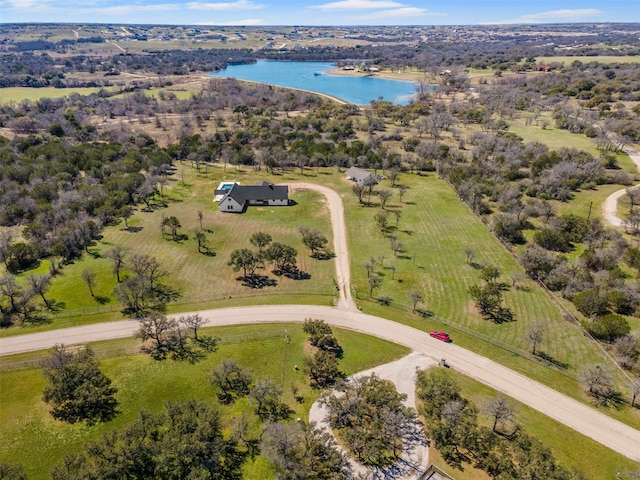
576	415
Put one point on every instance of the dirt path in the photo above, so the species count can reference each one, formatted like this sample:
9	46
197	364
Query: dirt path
610	205
340	245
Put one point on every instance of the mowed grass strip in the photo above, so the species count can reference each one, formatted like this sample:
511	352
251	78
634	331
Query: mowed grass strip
436	228
39	442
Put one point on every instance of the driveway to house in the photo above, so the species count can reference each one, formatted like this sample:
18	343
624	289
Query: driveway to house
582	418
340	246
610	205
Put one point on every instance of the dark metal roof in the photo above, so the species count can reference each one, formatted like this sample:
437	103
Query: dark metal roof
260	191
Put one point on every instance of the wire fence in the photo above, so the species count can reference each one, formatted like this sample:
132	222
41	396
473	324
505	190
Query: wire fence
558	367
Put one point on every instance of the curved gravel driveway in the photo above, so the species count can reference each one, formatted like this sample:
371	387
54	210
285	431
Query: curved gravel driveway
610	205
582	418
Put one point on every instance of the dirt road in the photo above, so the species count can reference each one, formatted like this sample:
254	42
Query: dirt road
588	421
610	205
582	418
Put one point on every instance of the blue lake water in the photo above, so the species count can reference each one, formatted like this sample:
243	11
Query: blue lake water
311	76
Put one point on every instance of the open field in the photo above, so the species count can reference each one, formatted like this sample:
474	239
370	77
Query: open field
434	225
567	60
17	94
39	442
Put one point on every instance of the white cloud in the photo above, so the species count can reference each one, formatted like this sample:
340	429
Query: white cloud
245	22
130	9
31	5
358	5
219	6
400	12
573	15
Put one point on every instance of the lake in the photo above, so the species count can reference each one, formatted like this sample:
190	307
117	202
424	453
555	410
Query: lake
311	76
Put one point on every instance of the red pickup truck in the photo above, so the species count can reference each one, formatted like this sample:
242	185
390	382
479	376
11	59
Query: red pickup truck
440	336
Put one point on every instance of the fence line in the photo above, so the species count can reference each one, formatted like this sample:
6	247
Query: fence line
481	336
625	375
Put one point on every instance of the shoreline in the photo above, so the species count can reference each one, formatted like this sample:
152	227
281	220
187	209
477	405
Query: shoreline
320	94
412	77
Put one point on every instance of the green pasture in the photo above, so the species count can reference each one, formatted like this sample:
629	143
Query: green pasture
17	94
38	441
568	60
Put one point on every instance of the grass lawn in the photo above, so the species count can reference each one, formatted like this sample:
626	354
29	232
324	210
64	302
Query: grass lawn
204	281
568	447
38	442
17	94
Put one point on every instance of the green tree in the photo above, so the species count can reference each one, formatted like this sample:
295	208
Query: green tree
322	368
609	327
260	240
283	257
234	380
186	440
245	260
314	240
77	390
371	419
300	451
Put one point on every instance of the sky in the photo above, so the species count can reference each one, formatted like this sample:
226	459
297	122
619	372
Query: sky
318	12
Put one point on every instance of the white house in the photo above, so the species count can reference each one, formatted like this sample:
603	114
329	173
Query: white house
239	197
361	176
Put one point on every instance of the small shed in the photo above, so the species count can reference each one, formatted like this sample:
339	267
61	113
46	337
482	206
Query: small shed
361	176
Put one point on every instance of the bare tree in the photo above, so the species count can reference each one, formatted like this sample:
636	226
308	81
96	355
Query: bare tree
375	281
396	246
117	256
469	254
416	297
598	380
635	390
402	189
200	217
359	190
89	276
501	410
535	335
384	195
40	285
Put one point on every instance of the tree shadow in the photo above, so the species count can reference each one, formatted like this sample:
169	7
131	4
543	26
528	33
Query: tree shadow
101	300
55	306
424	312
549	359
258	281
36	319
293	273
208	253
325	255
131	229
